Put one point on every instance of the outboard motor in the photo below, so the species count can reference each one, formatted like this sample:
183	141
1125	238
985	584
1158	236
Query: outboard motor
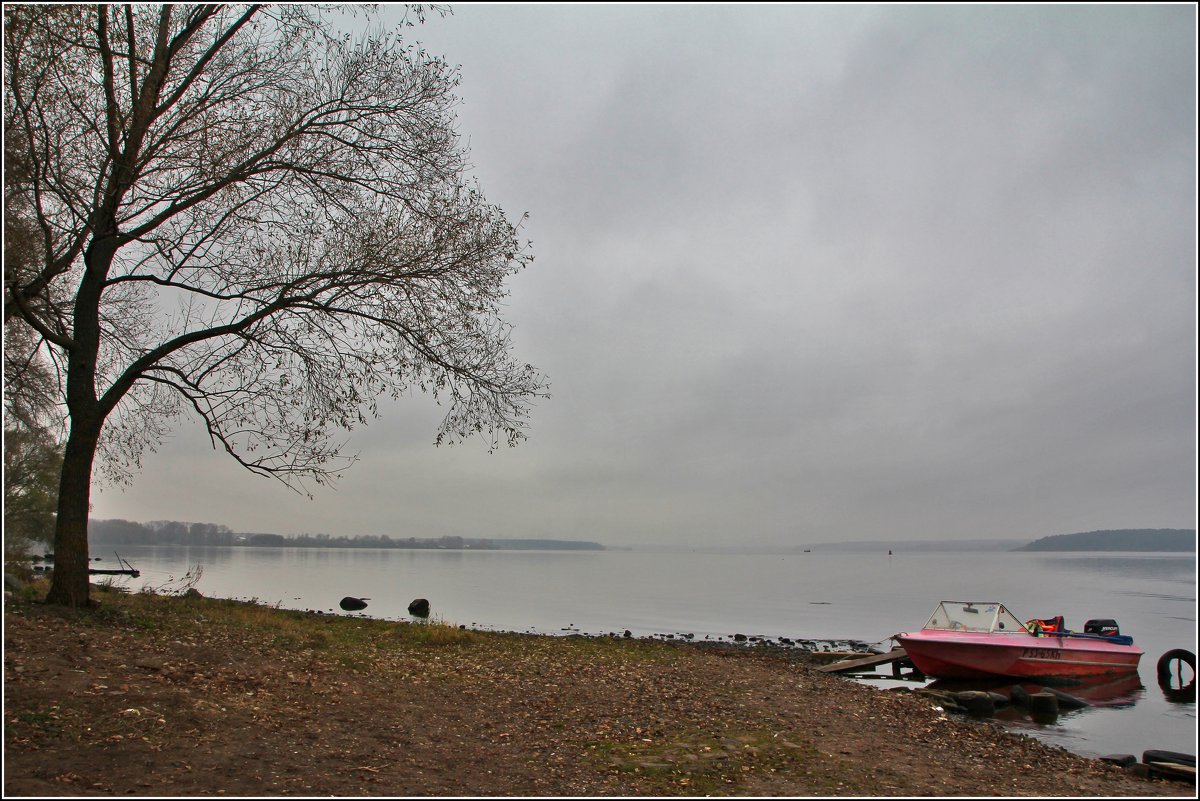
1103	627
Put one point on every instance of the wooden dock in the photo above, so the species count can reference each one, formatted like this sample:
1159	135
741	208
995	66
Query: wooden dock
126	569
866	663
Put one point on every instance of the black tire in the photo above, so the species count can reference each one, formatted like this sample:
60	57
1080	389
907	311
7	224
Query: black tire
1173	757
1175	654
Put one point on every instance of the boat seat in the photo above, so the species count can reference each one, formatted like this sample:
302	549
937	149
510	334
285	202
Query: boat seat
1049	625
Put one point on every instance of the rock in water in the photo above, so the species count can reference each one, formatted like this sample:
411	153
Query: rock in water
976	702
353	604
419	608
1120	760
1066	701
1044	703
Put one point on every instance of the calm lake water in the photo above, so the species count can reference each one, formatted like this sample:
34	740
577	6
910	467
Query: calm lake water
817	596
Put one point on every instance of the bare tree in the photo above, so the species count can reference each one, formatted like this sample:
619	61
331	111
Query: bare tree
248	217
31	385
32	414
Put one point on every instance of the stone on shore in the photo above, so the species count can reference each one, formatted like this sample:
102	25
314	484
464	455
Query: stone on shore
419	608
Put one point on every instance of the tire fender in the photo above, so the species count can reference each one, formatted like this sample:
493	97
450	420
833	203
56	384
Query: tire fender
1175	654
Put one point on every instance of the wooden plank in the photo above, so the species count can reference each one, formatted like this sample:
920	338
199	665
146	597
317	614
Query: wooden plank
1171	770
834	656
872	661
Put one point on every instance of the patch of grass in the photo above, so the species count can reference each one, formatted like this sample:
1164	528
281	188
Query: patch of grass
109	584
285	627
36	718
619	648
602	650
351	662
144	623
318	640
30	593
433	633
46	722
284	641
353	641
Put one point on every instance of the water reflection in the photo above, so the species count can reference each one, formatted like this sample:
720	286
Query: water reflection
1174	669
1025	705
1179	695
187	554
1179	567
1112	692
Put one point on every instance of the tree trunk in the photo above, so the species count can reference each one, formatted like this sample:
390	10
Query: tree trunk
69	585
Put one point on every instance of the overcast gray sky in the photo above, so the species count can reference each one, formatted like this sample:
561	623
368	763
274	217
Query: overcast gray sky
803	274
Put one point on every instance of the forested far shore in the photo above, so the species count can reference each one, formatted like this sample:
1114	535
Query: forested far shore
107	533
1122	539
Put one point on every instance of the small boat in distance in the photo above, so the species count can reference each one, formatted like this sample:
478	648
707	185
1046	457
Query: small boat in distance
976	639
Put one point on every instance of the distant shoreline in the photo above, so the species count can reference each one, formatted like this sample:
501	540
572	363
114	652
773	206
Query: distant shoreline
123	533
1173	540
858	546
399	545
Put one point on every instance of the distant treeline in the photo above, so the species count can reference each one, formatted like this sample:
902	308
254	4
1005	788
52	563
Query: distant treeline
158	532
102	533
1123	539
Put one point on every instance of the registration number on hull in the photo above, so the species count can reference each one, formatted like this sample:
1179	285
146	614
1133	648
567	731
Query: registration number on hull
1041	653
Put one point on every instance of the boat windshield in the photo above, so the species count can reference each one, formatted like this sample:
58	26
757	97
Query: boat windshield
982	616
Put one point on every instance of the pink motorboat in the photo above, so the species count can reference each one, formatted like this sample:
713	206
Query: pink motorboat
976	639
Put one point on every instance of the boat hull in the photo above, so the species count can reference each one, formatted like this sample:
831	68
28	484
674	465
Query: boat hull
970	655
